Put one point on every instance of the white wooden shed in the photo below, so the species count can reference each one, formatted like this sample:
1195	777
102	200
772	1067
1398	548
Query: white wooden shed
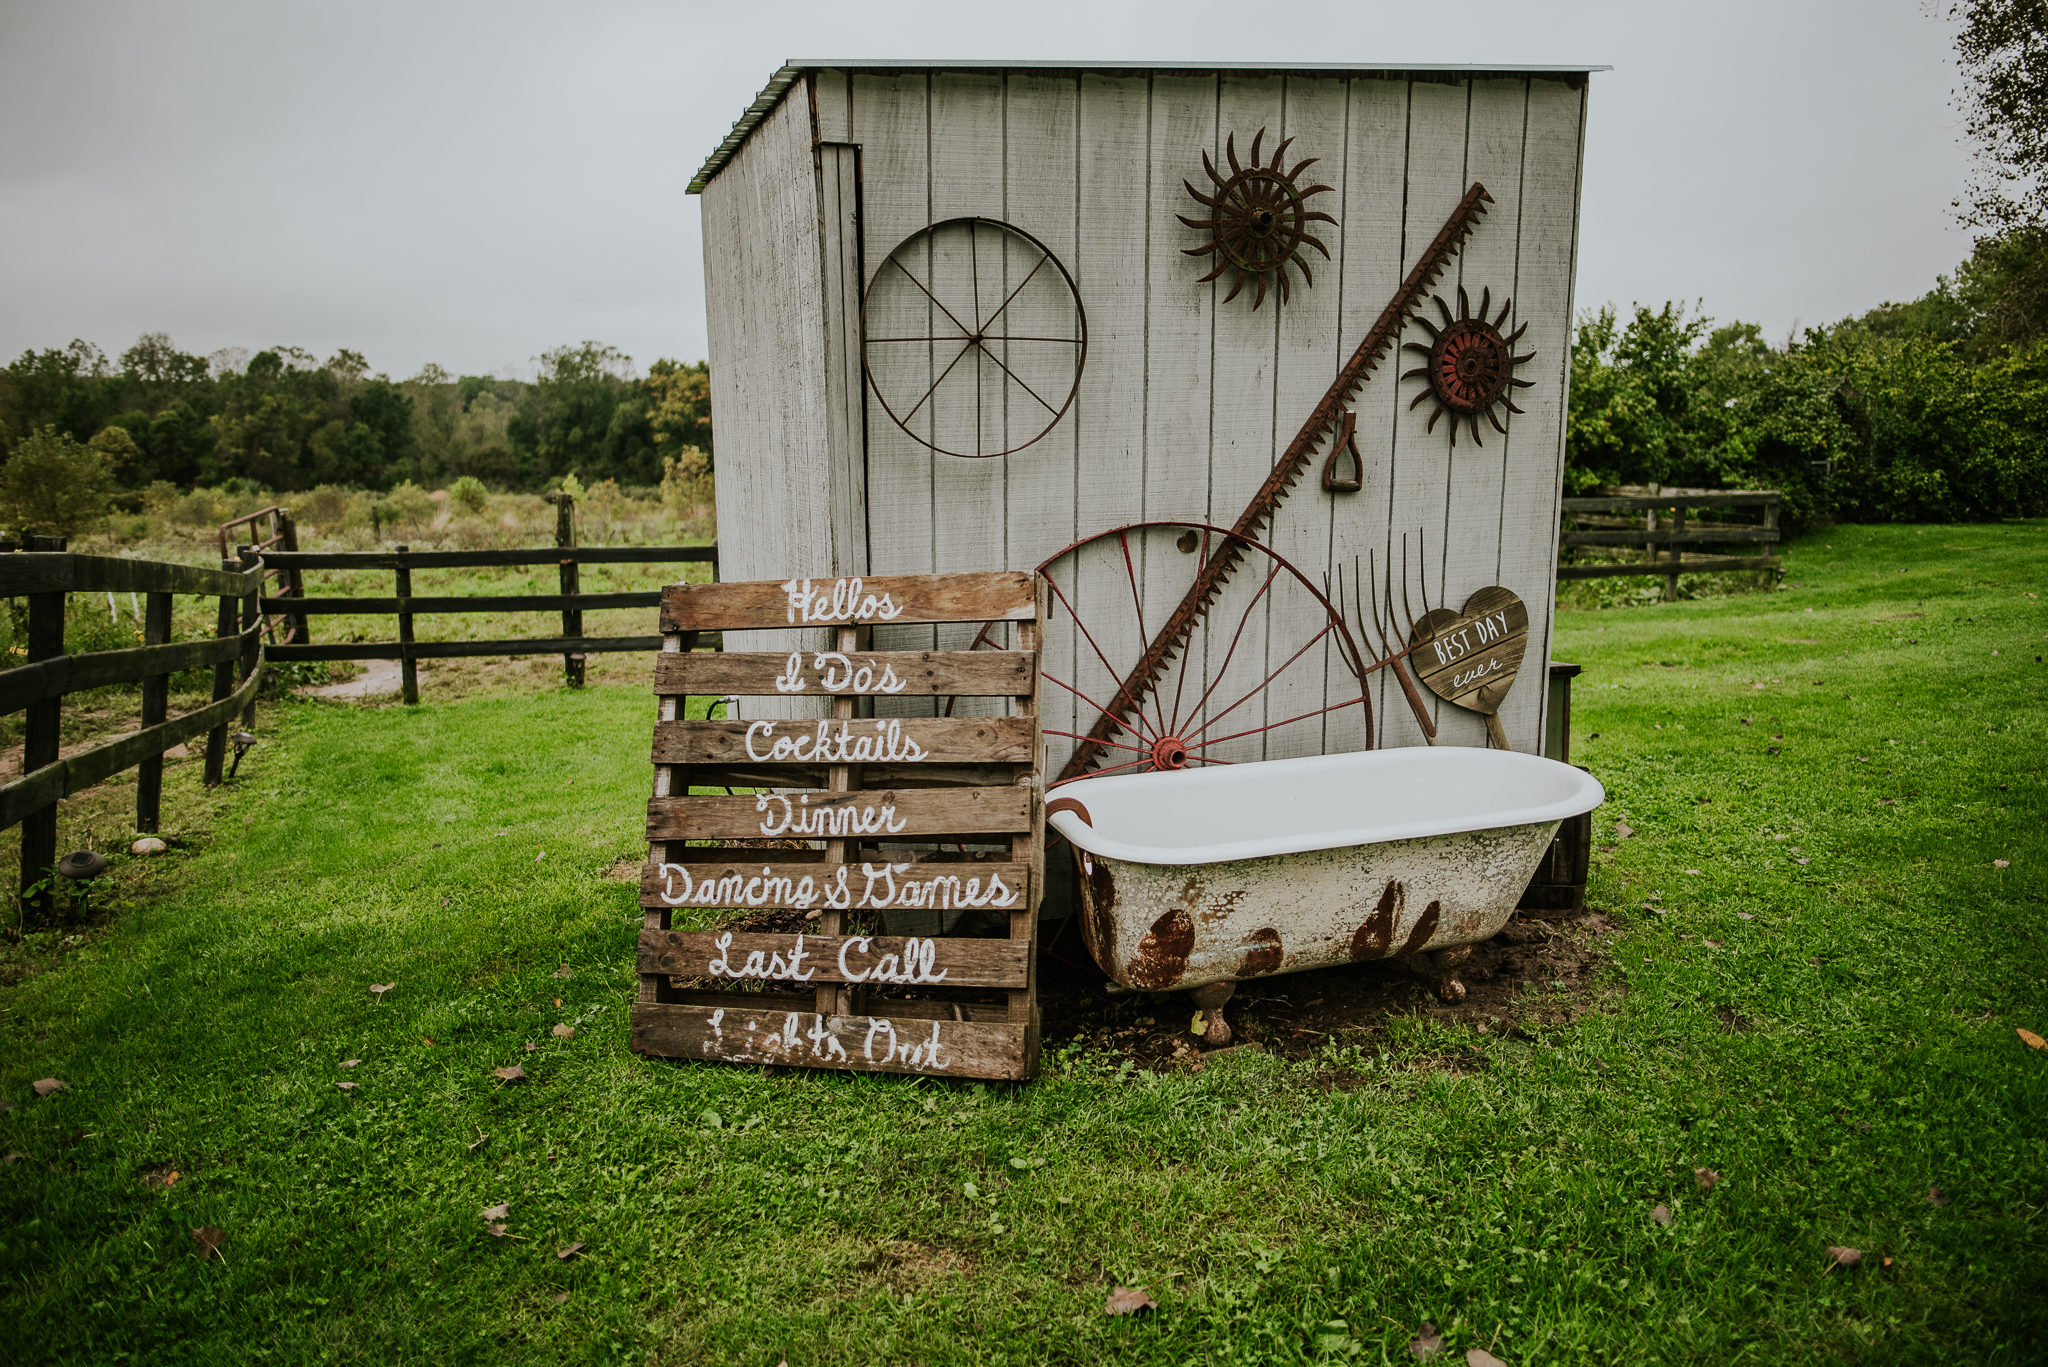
1052	203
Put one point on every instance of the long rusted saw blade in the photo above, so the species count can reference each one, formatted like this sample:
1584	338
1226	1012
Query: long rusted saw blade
1209	580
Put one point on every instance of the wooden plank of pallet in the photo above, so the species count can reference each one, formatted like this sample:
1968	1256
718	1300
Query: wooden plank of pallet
870	885
860	1044
909	961
927	673
895	815
871	740
1001	596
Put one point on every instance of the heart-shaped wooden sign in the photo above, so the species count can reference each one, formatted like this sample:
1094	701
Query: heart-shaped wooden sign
1471	657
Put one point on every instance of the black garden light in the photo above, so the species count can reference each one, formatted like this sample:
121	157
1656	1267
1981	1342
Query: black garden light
243	740
79	868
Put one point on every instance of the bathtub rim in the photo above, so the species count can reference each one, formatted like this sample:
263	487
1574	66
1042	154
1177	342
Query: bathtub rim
1588	793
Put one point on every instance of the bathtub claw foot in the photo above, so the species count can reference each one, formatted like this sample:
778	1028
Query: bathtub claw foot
1440	968
1209	999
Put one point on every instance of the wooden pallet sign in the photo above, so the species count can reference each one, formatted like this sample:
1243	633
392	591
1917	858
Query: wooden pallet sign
774	919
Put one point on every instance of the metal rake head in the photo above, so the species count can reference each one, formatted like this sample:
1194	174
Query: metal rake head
1384	627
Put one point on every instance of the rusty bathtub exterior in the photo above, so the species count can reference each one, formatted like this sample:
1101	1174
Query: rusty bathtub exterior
1351	858
1154	927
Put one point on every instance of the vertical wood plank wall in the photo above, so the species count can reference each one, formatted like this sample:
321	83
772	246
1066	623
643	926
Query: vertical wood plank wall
1186	401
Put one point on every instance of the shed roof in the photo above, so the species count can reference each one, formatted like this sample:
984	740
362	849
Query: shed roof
779	84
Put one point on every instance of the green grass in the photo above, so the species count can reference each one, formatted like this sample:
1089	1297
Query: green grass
1850	1046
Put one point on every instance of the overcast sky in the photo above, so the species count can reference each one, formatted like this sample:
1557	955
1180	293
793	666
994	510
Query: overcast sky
472	184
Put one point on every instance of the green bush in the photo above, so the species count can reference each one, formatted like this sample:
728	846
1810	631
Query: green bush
55	485
469	493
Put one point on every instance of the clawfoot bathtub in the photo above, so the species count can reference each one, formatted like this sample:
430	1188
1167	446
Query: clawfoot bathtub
1220	874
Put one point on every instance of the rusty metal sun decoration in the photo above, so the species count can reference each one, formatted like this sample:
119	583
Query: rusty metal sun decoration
1258	219
1471	366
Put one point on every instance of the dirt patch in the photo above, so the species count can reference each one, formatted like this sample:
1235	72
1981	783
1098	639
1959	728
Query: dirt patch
626	870
907	1266
1534	975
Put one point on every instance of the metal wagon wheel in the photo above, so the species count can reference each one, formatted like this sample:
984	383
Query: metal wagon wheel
1266	669
973	337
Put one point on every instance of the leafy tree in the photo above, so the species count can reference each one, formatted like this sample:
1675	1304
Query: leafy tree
2002	56
585	413
679	407
55	485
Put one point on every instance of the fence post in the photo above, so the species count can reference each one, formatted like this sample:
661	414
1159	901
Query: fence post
39	747
1763	577
301	632
408	669
252	622
572	618
156	707
1678	531
223	684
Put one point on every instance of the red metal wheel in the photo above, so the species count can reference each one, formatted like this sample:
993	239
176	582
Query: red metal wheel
1265	668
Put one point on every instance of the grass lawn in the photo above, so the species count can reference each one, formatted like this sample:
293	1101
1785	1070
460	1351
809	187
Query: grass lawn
1816	975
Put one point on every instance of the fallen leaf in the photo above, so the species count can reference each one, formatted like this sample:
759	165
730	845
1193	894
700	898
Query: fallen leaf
1712	944
427	1040
531	1046
481	1140
565	1254
1706	1178
348	1063
2001	863
563	971
1888	1261
564	1031
381	988
513	1074
347	1086
1662	1215
46	1085
1479	1357
1802	862
209	1240
1428	1343
1692	871
1128	1300
2029	1036
560	1298
14	1157
542	855
558	1001
1623	829
1843	1257
171	1177
495	1231
1936	1198
1744	916
501	1211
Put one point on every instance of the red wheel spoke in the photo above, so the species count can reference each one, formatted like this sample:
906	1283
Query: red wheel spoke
1075	691
1274	726
1123	539
1224	668
1263	683
1113	744
1180	685
1121	690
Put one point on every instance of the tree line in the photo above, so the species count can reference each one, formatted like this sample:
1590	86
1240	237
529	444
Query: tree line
283	420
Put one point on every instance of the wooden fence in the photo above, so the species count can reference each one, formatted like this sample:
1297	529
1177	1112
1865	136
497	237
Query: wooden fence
1654	519
46	574
572	644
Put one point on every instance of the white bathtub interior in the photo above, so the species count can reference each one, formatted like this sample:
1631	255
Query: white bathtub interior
1250	811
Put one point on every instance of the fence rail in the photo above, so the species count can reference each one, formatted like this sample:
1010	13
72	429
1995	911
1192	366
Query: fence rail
572	645
46	574
1673	535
